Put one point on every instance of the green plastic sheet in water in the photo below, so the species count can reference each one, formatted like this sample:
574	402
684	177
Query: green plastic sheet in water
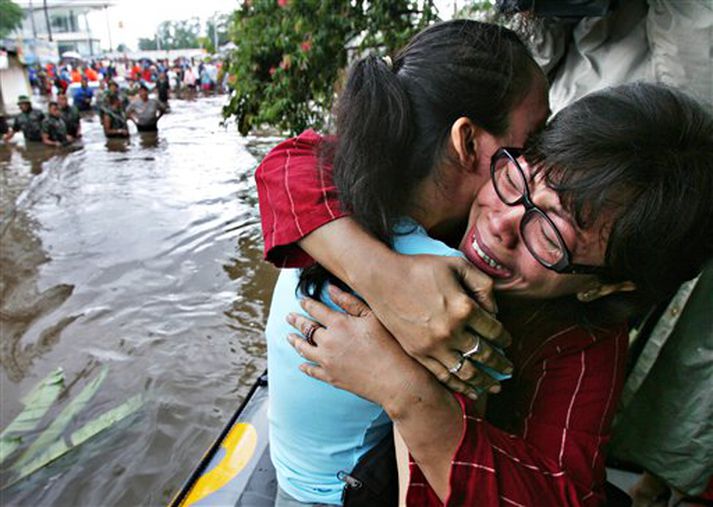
37	402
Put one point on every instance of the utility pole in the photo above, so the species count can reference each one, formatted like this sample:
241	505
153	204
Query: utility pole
108	26
215	32
47	20
89	35
32	19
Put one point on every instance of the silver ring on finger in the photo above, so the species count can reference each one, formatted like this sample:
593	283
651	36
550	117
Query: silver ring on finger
474	349
309	333
456	367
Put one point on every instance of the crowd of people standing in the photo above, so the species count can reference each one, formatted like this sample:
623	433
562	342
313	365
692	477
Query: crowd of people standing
118	91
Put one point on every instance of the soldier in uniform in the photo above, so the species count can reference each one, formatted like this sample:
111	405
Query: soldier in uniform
114	118
29	121
54	130
70	115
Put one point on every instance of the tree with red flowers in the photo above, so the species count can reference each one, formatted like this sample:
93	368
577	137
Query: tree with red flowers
291	53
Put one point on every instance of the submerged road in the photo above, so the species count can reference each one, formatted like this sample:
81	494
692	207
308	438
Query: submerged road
139	261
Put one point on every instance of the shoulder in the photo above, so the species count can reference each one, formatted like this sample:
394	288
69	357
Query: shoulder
411	238
297	151
570	343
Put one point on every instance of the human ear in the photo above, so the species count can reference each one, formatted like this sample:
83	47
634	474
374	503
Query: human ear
602	290
464	140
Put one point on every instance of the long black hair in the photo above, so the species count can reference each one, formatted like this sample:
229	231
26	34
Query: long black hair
393	118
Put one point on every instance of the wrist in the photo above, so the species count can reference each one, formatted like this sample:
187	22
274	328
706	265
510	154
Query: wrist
368	276
417	390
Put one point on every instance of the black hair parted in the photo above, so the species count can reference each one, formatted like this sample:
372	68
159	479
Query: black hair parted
643	153
393	120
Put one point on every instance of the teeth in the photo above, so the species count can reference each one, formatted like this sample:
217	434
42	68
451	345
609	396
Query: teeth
485	257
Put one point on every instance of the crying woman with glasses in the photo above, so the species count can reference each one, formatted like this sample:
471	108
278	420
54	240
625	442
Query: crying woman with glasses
604	212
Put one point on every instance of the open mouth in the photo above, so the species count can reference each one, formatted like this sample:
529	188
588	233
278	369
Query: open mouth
492	262
483	259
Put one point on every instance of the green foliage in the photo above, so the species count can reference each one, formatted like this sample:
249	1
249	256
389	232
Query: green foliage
481	10
10	17
291	52
174	35
147	44
216	29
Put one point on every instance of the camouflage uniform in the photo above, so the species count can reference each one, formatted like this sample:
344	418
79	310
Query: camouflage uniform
55	128
30	124
71	117
117	118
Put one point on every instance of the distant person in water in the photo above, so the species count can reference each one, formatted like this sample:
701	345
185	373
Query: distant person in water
29	121
114	119
145	112
162	87
54	130
70	115
83	96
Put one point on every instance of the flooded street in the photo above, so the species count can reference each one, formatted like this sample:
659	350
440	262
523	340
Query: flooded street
140	258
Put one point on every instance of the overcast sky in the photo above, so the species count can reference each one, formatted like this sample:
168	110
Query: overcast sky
130	20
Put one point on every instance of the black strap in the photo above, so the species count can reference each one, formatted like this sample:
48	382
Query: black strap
374	482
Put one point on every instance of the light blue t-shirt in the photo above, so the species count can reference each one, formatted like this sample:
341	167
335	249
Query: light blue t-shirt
317	430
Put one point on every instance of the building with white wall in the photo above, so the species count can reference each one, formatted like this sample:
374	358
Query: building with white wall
64	22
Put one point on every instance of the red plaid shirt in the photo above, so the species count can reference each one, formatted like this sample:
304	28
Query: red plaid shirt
560	402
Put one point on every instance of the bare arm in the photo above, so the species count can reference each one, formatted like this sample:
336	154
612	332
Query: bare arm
47	141
424	412
110	131
431	304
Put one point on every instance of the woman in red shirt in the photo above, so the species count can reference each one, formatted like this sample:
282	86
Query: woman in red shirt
607	193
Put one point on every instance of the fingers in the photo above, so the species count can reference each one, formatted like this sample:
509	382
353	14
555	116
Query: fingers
445	377
491	357
304	325
309	352
314	371
479	285
467	369
487	326
348	302
319	311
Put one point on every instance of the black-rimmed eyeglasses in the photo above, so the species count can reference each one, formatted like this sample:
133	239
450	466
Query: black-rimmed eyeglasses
539	233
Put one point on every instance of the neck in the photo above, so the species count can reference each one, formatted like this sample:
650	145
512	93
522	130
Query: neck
433	209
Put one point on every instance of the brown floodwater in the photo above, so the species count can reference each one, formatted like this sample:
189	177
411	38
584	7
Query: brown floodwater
144	258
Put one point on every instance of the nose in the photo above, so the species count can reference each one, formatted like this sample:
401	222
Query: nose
505	224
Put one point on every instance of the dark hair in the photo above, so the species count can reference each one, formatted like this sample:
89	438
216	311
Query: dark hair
393	119
645	153
52	103
143	86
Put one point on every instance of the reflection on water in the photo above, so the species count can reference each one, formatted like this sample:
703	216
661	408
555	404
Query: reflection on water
143	256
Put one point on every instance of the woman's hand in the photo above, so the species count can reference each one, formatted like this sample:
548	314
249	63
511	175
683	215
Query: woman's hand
439	308
436	307
355	352
351	351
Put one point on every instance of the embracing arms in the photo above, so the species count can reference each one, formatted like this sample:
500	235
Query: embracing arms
560	409
431	304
